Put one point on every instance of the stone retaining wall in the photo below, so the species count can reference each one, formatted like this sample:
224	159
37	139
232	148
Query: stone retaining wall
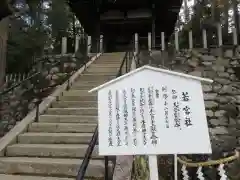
222	97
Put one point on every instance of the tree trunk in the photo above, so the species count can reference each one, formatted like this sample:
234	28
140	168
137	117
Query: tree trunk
3	48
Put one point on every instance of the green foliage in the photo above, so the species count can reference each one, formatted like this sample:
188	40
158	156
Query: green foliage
42	26
58	18
24	43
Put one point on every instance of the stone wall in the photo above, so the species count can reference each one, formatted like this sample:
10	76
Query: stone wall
222	98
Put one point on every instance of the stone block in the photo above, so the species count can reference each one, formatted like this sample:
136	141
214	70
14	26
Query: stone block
220	130
219	113
218	68
210	96
210	104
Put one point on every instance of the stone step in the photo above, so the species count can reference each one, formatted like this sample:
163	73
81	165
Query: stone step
50	150
55	138
103	73
107	62
109	65
49	166
102	70
100	74
88	77
67	119
86	87
62	127
92	81
74	104
79	98
21	177
111	60
74	92
72	111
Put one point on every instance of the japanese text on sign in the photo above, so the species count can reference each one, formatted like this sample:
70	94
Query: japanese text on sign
127	109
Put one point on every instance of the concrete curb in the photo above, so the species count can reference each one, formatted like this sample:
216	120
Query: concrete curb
11	136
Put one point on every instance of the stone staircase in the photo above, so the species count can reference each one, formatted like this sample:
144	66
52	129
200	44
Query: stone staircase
54	147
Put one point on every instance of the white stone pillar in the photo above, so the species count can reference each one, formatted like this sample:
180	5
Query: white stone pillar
101	44
190	39
204	35
64	45
153	31
235	40
89	44
136	42
77	43
176	41
150	42
219	30
163	41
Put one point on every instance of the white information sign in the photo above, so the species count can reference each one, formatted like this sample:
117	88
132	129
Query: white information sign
150	111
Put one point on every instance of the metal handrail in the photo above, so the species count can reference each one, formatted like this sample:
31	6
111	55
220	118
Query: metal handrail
93	142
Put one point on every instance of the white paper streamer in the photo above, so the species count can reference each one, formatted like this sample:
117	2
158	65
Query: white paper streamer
185	173
199	173
222	172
